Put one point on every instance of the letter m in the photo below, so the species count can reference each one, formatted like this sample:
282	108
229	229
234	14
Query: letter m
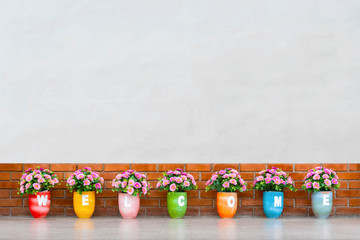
277	201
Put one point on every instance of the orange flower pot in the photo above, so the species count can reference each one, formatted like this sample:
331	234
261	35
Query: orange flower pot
227	203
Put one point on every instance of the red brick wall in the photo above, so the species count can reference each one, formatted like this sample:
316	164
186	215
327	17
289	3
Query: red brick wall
200	203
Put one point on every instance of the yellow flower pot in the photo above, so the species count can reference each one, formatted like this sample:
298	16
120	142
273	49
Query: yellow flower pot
84	204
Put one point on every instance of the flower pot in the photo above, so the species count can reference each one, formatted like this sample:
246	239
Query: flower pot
84	204
39	204
273	204
226	203
128	205
177	204
321	203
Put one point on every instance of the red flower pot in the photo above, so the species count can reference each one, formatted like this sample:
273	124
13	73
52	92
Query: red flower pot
39	204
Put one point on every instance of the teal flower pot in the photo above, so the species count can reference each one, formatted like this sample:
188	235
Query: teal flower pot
321	203
177	204
273	204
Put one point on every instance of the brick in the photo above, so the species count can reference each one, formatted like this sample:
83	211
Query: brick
221	166
288	211
209	194
108	175
349	175
193	193
56	211
149	202
10	202
196	175
297	176
110	203
63	167
198	167
305	167
9	185
93	166
206	176
336	166
34	166
173	166
354	167
69	212
251	202
200	202
258	211
157	194
297	194
247	194
354	184
4	193
60	185
4	176
354	202
303	202
192	211
16	176
4	211
117	167
287	167
108	194
347	193
348	211
154	175
247	176
57	193
61	202
340	201
106	211
20	211
201	184
144	167
244	211
5	167
163	202
156	211
208	211
251	167
289	202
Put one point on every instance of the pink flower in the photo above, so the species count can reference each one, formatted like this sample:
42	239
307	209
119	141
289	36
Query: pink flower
262	172
233	181
172	187
22	189
183	177
72	182
80	176
126	175
277	181
90	177
334	181
179	180
268	175
94	175
187	183
276	178
241	181
222	172
259	178
272	171
225	176
41	180
289	180
123	184
327	171
144	183
52	182
27	185
86	182
169	172
327	182
144	190
316	185
268	180
137	185
176	172
158	184
98	186
325	176
243	187
118	177
318	172
193	182
130	190
47	176
226	185
172	179
38	176
101	180
29	178
138	176
214	177
165	182
36	186
190	176
69	179
131	182
56	180
318	168
308	185
22	182
316	177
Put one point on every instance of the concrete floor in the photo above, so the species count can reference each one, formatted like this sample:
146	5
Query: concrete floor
187	228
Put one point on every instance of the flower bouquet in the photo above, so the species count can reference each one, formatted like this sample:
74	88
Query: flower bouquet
226	182
37	184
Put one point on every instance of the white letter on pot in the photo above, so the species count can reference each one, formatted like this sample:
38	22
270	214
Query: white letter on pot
277	201
85	200
231	201
181	201
42	200
326	200
127	204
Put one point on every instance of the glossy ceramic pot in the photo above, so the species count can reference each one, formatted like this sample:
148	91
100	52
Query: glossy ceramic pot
39	204
273	204
128	205
226	204
84	204
321	203
177	204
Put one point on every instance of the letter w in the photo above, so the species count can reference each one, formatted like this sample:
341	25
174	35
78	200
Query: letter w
42	200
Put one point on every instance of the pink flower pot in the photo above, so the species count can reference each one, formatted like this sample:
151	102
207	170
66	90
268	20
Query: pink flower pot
39	204
129	205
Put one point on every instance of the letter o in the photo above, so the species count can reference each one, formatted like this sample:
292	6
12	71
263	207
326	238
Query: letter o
231	201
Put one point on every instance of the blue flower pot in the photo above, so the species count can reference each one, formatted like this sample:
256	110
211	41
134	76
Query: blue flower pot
321	203
273	204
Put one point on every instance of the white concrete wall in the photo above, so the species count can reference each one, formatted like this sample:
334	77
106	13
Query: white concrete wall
179	81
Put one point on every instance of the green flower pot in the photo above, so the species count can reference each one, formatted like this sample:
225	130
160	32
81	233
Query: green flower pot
177	204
